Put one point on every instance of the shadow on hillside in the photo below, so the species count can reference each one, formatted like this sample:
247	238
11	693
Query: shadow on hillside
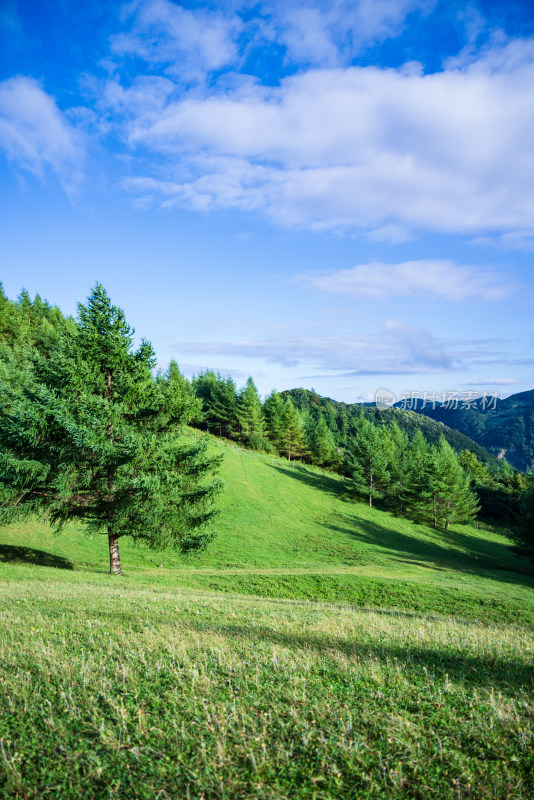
469	554
15	554
324	483
509	675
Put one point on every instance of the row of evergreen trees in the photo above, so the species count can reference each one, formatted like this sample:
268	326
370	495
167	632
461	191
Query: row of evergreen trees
275	426
413	478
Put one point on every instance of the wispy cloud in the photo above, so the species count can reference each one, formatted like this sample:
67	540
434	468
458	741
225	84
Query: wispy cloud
397	348
35	135
516	240
494	382
435	279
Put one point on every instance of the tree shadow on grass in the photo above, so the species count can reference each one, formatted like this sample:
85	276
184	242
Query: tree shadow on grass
468	554
437	662
15	554
323	482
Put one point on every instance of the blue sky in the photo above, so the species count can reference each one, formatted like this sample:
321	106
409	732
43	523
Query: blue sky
337	195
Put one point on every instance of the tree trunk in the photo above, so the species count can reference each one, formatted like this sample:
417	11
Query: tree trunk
114	557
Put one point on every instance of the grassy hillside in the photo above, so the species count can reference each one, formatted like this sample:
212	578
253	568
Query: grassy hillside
319	649
288	531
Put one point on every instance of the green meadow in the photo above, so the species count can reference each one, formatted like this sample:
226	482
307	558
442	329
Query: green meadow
317	649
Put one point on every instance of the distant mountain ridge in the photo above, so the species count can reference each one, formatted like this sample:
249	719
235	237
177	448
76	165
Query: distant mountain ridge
505	427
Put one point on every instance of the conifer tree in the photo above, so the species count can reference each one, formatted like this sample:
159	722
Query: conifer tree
293	436
250	416
323	449
95	439
399	468
367	461
447	496
419	470
219	403
273	410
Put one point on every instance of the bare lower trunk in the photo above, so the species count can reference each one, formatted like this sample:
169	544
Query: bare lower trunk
114	557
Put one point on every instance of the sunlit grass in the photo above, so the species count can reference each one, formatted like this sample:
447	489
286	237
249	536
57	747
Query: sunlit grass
319	649
116	691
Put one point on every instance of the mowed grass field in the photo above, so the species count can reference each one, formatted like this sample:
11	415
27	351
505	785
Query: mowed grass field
318	649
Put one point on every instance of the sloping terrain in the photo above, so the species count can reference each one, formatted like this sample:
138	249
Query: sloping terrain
319	649
288	530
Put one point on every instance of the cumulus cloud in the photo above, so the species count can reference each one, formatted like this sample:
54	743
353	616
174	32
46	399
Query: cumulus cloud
441	279
383	151
331	33
186	43
35	135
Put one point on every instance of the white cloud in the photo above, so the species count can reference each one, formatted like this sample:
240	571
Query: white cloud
398	348
380	150
330	33
187	43
190	43
35	135
435	279
516	240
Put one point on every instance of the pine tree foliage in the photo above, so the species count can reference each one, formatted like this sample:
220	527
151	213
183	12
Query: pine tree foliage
95	438
367	460
400	469
219	403
250	416
446	495
273	410
293	439
322	445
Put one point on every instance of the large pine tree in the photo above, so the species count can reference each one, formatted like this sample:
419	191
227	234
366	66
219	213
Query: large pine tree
273	410
323	448
96	438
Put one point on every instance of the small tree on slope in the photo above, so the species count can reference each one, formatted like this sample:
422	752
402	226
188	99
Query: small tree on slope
96	440
366	461
250	415
446	495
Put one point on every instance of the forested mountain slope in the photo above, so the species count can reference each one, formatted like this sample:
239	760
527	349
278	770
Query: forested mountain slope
341	416
504	427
